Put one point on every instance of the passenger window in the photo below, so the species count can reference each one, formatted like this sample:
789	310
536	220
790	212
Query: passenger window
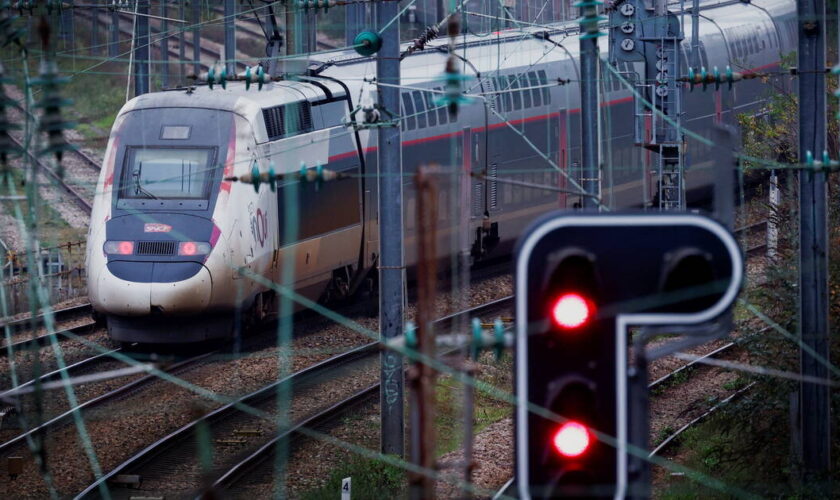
517	99
441	111
502	86
522	81
535	93
408	112
430	105
419	109
545	91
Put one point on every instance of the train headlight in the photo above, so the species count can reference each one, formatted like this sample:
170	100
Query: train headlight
119	247
193	248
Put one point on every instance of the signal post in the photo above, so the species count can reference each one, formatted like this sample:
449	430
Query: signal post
581	282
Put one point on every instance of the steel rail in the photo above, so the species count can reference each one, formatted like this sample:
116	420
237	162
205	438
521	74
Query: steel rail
77	197
225	412
42	340
86	307
146	455
70	369
100	400
239	469
86	158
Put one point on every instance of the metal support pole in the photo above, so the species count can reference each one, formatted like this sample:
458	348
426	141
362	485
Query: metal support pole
353	22
182	41
391	270
589	76
230	36
813	234
94	31
141	48
114	44
196	36
695	34
164	45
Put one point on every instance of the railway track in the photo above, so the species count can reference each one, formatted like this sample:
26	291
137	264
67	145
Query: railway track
21	341
121	392
243	433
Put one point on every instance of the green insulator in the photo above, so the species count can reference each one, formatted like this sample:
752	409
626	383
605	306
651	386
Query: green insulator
716	75
730	77
255	177
809	159
302	174
499	334
826	160
703	76
211	77
326	5
248	78
223	78
367	43
691	79
475	344
272	177
260	77
410	336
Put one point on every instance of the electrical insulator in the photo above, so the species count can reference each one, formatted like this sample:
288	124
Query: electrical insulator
51	102
7	147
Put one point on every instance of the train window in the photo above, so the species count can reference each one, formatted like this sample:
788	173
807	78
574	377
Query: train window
522	81
535	93
419	109
408	112
504	88
430	105
441	111
167	174
514	94
545	91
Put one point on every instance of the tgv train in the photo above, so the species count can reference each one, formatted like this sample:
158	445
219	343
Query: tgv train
175	250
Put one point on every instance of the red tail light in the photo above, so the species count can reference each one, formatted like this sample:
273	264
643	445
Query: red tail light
189	248
119	247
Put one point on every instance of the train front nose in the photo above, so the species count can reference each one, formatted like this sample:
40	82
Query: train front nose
157	285
136	288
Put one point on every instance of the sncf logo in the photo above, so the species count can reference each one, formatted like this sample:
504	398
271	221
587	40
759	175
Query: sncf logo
156	227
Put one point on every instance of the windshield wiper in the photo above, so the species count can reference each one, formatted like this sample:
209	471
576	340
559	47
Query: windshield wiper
138	189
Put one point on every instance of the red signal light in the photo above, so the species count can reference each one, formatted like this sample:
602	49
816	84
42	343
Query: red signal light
572	439
571	310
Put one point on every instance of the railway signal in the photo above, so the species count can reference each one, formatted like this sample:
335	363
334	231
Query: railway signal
581	281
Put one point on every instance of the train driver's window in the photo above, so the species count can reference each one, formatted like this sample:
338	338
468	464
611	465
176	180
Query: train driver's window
167	174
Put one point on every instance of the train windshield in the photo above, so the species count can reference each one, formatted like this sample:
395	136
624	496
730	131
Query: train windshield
167	173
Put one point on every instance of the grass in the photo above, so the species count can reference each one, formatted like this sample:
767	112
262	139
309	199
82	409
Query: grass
370	479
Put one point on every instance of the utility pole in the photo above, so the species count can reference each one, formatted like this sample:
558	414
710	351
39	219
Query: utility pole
354	22
141	48
196	36
814	407
422	375
391	270
114	43
230	37
164	46
589	76
94	30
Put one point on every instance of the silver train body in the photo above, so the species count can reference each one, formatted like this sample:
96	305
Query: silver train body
174	250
